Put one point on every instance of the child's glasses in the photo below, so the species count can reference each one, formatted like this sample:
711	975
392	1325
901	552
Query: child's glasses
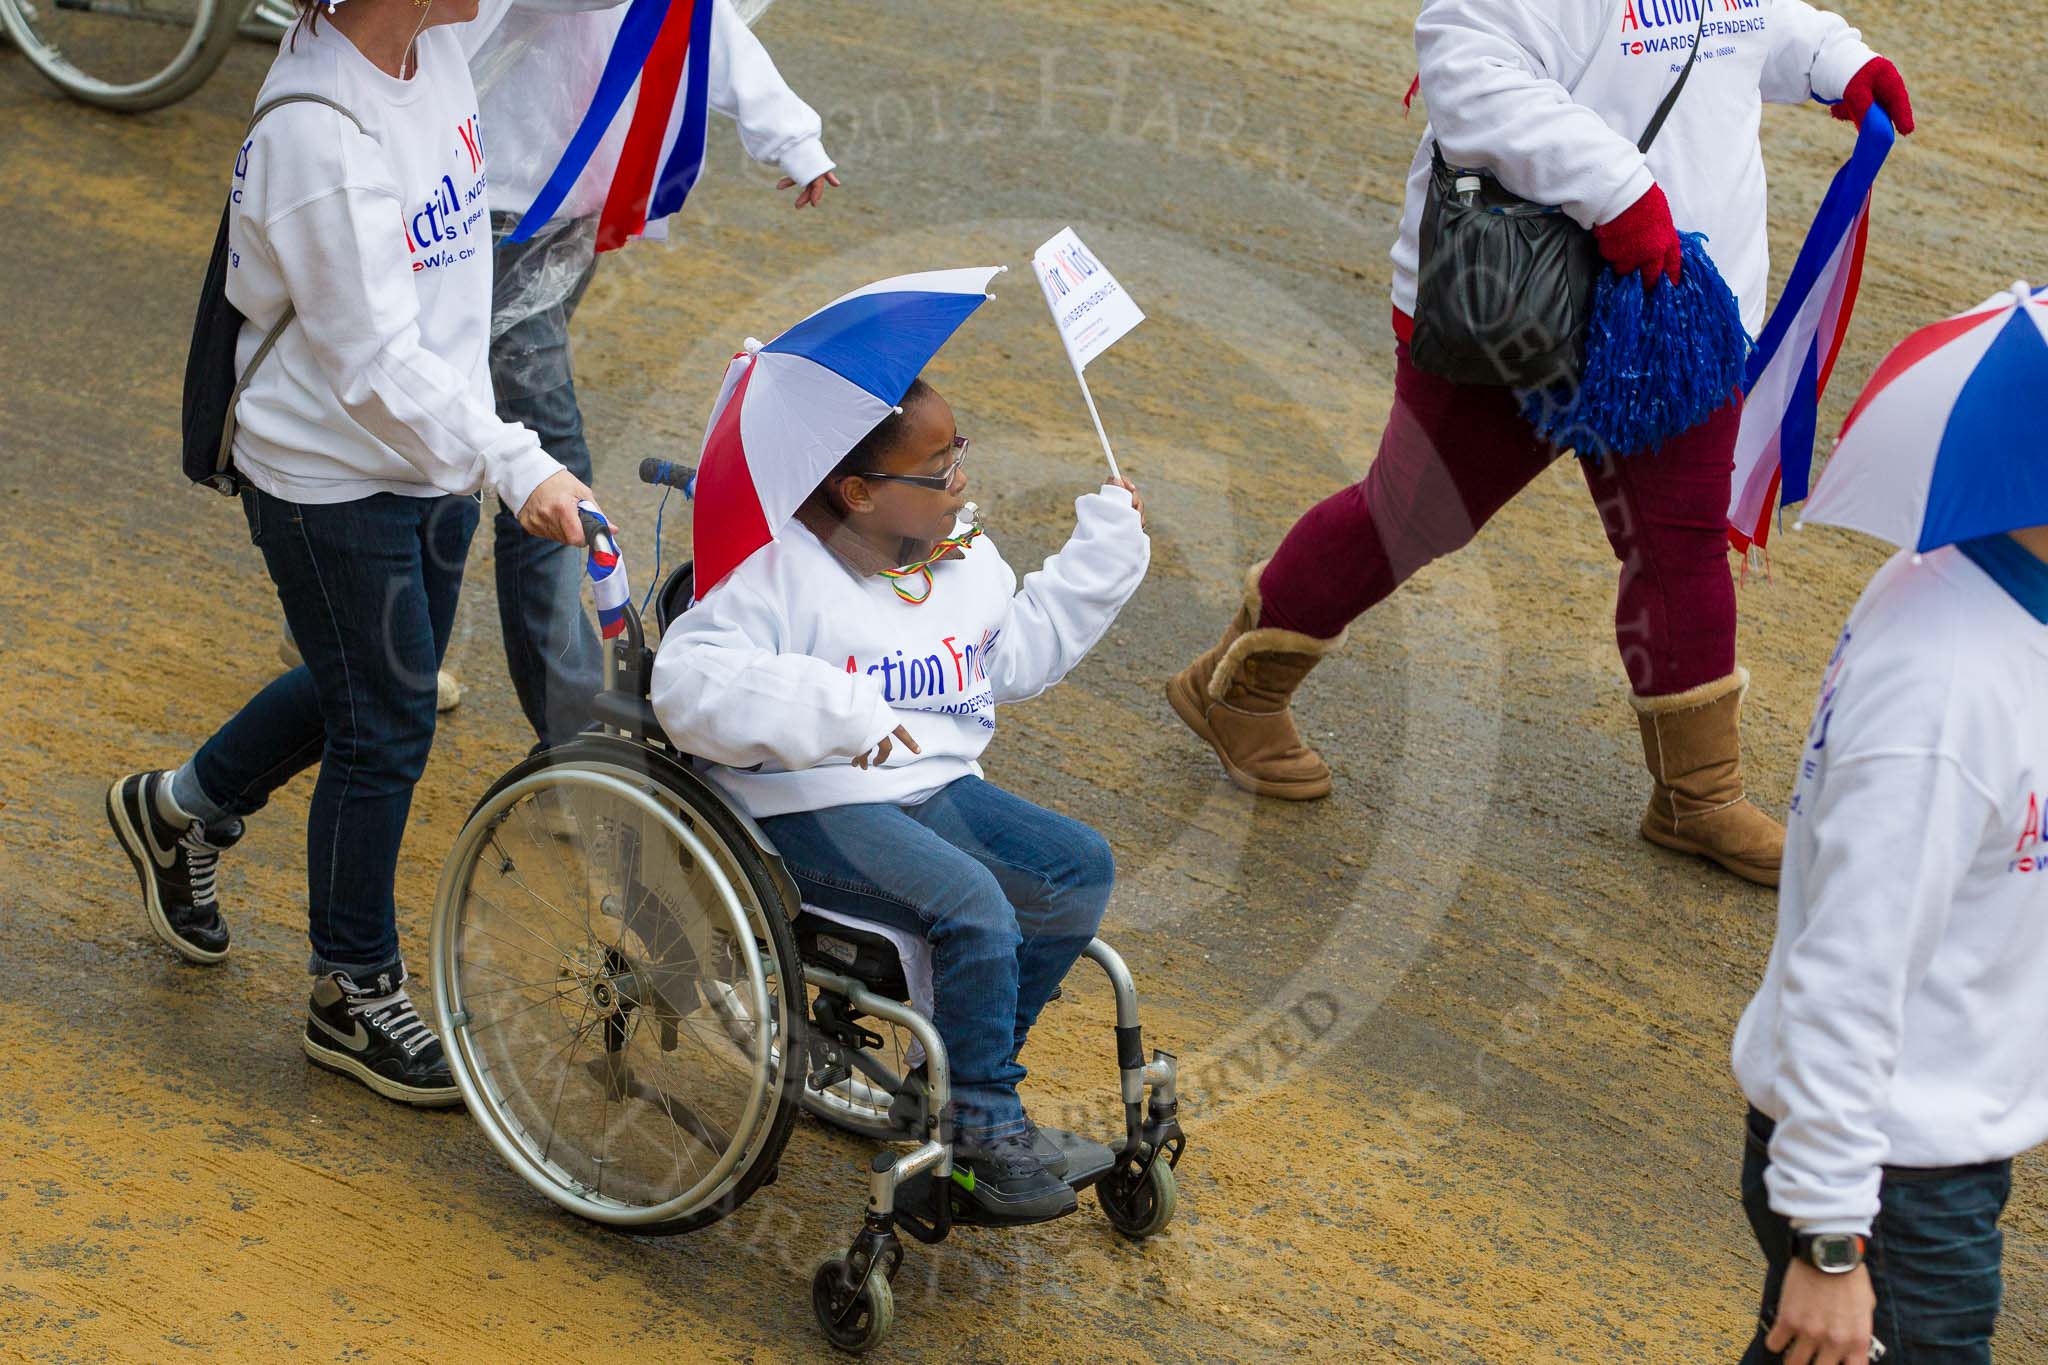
942	482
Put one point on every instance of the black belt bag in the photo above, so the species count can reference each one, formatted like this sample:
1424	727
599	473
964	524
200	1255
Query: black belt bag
1505	287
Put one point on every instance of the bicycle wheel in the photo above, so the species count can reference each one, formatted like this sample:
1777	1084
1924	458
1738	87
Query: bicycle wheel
128	55
614	976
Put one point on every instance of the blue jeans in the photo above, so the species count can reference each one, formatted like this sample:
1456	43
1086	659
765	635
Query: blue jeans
1007	893
368	588
1934	1255
552	652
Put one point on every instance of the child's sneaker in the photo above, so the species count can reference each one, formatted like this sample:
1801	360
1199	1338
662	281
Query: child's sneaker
1046	1146
1006	1178
176	863
376	1036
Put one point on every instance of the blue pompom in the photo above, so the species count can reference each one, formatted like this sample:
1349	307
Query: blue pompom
1658	362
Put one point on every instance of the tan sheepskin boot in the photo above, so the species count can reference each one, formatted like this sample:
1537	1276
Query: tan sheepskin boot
1692	748
1235	697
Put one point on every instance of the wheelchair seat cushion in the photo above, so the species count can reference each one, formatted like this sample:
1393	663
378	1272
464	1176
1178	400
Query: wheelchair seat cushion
887	960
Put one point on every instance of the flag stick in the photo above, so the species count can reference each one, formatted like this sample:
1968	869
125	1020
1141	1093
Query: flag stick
1115	474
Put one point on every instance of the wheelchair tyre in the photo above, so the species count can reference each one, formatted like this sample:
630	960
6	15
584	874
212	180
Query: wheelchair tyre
664	1025
866	1321
1139	1206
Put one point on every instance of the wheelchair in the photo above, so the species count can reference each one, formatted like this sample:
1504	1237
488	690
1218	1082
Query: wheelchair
636	1003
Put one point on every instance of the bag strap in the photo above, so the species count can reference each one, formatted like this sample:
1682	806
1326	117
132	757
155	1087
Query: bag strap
225	455
1664	109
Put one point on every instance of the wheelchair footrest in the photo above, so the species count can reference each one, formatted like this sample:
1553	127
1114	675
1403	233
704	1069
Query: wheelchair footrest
1087	1162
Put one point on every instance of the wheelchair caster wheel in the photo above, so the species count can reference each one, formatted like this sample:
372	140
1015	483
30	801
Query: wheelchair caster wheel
1139	1206
851	1323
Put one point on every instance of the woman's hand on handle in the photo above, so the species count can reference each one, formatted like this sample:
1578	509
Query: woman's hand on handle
882	750
550	510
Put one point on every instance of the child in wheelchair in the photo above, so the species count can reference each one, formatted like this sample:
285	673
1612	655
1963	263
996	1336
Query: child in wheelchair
842	684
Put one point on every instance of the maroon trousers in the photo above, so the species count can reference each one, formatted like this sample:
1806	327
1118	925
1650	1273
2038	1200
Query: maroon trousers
1452	455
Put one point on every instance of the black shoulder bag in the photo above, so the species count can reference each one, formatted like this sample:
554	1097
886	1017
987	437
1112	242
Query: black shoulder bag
212	388
1505	287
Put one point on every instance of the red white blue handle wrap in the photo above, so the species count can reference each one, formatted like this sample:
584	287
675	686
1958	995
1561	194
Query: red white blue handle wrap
607	576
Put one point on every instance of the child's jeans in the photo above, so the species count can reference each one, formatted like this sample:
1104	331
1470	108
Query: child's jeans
1934	1257
1007	893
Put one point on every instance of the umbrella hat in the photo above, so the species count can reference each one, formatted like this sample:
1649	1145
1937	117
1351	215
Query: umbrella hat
789	411
1945	441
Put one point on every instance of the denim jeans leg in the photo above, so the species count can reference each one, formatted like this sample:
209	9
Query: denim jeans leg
1939	1249
380	571
551	650
876	862
279	732
1055	871
1934	1258
1772	1230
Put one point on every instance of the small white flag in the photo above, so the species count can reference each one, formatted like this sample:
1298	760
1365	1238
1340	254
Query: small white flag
1089	307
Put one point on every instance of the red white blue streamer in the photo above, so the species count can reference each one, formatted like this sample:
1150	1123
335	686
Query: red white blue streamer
1793	359
607	570
660	44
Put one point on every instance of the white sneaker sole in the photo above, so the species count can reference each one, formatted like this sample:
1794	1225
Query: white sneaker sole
342	1064
137	849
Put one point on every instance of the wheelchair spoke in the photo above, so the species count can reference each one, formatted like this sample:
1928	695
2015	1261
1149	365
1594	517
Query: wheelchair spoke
559	956
502	972
557	993
506	873
588	928
674	1148
547	841
496	1020
584	1024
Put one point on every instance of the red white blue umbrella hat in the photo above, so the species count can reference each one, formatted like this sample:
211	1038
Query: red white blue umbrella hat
1946	441
791	410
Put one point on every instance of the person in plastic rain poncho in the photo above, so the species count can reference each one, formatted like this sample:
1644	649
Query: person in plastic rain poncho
536	76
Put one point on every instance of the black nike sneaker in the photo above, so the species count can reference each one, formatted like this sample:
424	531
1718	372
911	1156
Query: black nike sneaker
1009	1182
375	1036
1045	1145
177	864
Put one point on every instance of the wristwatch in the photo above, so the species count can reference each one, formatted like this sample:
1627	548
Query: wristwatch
1831	1253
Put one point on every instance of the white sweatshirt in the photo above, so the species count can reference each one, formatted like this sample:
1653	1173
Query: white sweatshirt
382	239
537	73
1903	1015
796	665
1551	97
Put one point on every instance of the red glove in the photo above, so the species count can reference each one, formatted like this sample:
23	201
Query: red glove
1642	238
1879	83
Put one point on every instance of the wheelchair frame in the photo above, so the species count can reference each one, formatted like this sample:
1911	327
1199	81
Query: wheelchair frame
852	1303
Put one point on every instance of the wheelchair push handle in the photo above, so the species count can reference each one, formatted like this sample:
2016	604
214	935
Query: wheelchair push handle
668	474
597	532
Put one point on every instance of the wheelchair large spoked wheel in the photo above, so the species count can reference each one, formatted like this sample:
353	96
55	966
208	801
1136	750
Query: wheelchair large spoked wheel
616	981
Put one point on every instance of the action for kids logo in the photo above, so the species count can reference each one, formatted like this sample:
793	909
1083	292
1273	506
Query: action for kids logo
957	671
1684	18
438	232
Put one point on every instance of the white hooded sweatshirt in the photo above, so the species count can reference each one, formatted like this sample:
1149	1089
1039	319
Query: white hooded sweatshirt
1903	1019
1551	97
795	665
538	70
382	240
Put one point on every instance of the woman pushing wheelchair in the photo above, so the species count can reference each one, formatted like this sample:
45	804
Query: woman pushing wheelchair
841	684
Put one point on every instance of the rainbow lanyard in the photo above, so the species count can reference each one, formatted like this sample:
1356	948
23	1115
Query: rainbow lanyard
923	568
